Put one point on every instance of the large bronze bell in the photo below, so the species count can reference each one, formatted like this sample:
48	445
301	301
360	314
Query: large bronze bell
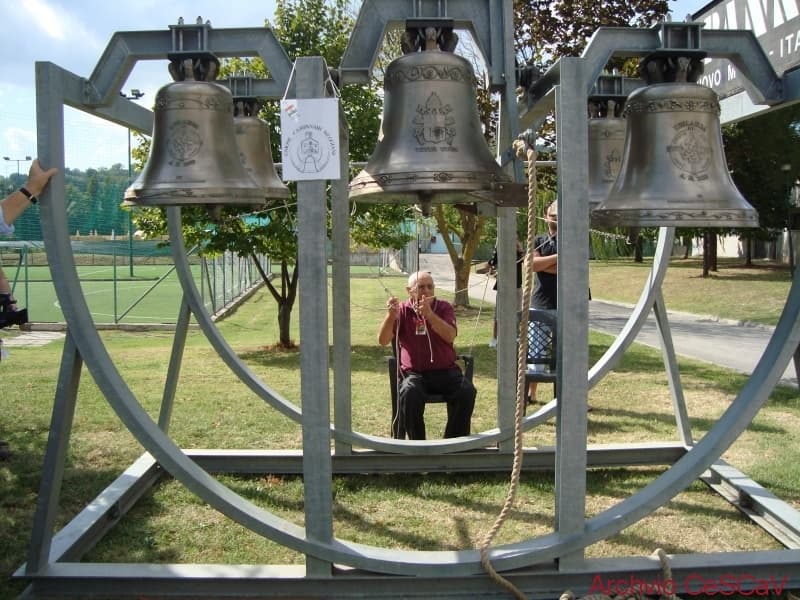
606	145
432	149
252	138
673	169
193	157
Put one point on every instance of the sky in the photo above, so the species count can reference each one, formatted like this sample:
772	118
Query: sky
73	34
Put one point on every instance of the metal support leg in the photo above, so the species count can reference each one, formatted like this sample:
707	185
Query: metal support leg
673	373
55	457
573	306
174	370
314	392
340	217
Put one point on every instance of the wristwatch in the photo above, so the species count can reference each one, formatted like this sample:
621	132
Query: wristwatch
28	195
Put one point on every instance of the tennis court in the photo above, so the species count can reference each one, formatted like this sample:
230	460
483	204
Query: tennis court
120	287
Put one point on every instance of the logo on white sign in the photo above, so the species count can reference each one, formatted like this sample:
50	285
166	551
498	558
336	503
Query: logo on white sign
309	139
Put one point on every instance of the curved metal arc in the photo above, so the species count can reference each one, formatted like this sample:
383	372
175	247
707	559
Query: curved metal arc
640	313
192	296
122	401
291	410
683	473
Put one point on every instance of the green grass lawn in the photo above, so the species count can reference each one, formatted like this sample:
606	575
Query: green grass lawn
756	294
414	511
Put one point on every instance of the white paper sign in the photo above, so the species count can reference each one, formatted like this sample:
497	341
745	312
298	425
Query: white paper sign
310	139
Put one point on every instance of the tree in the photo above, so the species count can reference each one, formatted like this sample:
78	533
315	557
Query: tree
756	150
304	28
547	30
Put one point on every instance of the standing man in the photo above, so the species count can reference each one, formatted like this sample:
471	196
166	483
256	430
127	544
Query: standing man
11	207
424	329
545	265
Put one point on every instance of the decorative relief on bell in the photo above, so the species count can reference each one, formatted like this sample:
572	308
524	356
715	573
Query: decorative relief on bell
431	72
434	123
690	151
184	142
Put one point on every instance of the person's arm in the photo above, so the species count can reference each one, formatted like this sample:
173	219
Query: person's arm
442	328
545	264
17	201
5	285
386	331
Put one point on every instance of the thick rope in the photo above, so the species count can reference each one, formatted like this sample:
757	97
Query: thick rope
523	150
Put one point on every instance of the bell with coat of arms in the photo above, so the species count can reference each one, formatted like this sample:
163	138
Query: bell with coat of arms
432	149
673	172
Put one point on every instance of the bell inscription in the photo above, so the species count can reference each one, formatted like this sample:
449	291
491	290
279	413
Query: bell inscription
184	143
690	151
434	123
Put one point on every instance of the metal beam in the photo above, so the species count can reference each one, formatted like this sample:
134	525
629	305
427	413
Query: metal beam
484	19
772	571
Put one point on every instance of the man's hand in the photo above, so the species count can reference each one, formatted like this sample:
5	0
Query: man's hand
38	177
424	306
393	306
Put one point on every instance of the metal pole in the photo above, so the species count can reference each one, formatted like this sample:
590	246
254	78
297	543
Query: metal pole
786	168
135	95
130	211
314	388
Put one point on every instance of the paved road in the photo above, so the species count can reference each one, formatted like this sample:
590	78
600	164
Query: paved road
725	343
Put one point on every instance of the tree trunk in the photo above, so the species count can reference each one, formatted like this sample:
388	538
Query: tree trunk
462	270
284	324
284	298
709	252
748	251
470	235
687	243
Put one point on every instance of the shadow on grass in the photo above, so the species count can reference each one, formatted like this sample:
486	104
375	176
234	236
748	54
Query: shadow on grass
368	359
21	476
735	269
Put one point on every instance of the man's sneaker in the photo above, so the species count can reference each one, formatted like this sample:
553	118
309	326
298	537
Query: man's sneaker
493	343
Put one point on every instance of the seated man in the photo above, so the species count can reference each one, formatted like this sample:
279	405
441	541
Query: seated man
424	328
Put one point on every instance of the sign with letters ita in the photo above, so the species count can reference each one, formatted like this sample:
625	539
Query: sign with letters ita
776	25
310	139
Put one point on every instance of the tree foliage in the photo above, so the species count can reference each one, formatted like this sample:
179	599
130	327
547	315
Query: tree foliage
763	155
548	30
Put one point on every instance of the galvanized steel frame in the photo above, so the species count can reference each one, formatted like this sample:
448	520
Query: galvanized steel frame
541	566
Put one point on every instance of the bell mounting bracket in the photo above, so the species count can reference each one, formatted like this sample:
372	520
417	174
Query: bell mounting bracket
429	34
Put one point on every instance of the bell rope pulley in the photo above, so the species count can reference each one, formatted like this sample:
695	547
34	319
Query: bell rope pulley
431	149
194	157
673	170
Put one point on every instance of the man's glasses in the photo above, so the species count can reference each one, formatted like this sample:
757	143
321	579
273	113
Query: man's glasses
424	286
